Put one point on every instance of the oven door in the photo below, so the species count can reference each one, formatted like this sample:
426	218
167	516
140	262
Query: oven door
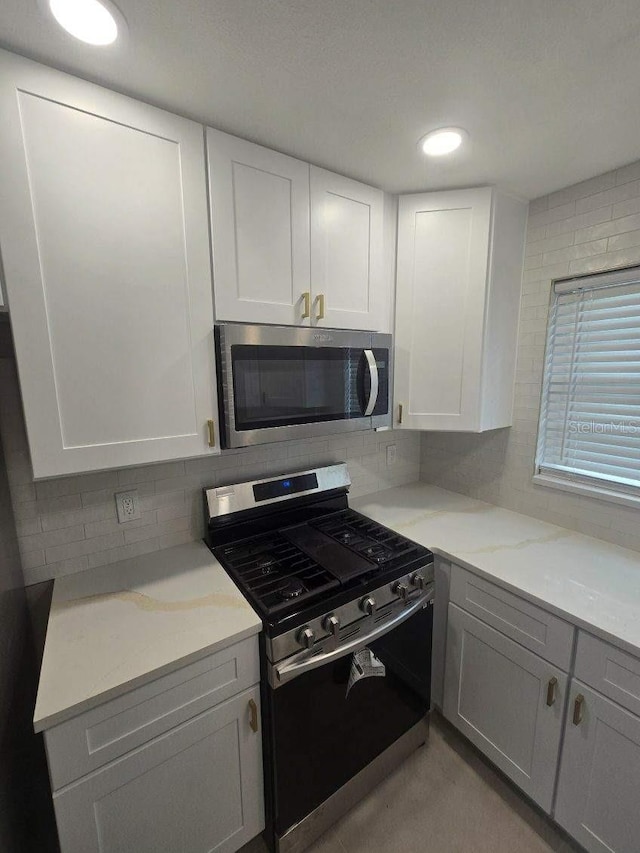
282	383
323	731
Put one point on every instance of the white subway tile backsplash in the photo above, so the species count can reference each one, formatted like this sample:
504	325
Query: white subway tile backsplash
22	492
592	217
53	537
32	559
56	553
583	189
538	205
608	261
628	173
608	229
128	476
111	525
571	253
612	196
58	569
623	241
545	217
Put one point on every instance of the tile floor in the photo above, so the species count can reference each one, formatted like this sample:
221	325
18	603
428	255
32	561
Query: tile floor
443	799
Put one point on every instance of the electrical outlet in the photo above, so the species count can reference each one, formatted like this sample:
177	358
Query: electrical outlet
391	454
128	506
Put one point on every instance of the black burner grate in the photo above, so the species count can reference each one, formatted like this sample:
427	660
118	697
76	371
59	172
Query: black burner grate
274	572
367	537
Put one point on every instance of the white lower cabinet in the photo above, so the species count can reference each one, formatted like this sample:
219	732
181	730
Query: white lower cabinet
508	701
191	787
599	785
196	789
571	741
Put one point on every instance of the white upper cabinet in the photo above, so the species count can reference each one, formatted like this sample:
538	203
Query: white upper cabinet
260	232
104	239
459	273
293	244
347	253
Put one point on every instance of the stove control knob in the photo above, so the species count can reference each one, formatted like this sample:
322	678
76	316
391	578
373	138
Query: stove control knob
306	637
331	625
419	580
368	605
401	589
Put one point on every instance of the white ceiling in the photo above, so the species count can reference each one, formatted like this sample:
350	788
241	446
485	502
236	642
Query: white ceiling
548	89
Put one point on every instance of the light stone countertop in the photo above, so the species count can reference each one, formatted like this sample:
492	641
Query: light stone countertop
586	581
114	628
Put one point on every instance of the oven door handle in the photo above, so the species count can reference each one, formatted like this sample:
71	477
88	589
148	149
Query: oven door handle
303	662
373	375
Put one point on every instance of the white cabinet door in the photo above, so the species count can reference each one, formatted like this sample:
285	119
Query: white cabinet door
599	784
347	280
104	240
260	232
443	241
459	273
502	697
194	790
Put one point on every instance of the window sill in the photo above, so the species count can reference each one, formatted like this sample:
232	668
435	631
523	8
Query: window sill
598	492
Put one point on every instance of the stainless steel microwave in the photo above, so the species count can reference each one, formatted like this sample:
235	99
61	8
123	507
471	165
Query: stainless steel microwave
277	383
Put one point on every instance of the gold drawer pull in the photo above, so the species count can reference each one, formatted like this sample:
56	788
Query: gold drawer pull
320	300
211	430
551	691
578	709
253	716
306	298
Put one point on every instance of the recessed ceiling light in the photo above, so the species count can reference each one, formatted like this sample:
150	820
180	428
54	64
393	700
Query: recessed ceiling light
444	140
91	21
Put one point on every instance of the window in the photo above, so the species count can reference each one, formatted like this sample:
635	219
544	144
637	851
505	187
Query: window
589	433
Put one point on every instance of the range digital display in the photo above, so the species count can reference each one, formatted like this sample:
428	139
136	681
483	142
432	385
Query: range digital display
285	486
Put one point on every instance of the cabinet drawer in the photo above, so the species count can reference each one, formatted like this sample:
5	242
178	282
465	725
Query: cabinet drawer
96	737
532	627
609	670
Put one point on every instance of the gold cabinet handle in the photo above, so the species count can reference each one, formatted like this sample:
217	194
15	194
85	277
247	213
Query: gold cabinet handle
551	691
253	716
306	299
320	301
578	709
399	413
211	430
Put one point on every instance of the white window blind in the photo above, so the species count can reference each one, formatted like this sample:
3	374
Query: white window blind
590	414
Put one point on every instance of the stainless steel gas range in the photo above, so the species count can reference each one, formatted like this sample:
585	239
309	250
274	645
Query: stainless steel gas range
347	611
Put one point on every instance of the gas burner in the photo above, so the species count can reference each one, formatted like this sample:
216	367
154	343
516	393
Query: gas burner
377	553
292	589
346	536
267	564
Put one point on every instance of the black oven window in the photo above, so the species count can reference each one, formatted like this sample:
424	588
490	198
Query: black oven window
279	386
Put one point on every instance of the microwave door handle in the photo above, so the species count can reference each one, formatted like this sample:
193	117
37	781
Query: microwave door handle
373	375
